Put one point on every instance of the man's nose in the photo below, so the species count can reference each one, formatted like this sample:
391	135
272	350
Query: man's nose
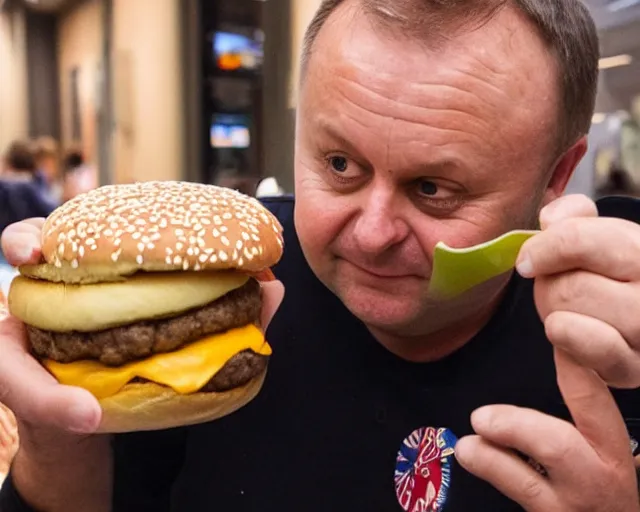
379	226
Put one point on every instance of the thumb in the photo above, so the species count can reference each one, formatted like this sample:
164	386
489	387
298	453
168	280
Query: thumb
594	411
567	207
21	242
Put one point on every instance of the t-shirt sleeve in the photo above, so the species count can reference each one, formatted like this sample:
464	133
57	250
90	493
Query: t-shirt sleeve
146	465
10	500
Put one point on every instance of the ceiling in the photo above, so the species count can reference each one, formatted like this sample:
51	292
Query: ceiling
47	5
619	25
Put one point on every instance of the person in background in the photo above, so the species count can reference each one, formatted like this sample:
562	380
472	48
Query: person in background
79	176
8	425
21	194
619	183
8	440
246	184
47	155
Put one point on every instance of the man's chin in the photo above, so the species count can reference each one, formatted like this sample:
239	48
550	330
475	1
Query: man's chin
379	310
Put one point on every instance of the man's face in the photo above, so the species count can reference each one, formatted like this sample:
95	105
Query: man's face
400	146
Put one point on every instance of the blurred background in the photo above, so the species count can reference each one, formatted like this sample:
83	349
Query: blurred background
203	90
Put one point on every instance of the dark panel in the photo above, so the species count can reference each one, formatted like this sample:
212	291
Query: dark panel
42	72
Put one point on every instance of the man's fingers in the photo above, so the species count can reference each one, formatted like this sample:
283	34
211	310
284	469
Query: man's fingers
580	243
567	207
594	344
272	296
593	408
553	442
592	295
33	394
21	242
507	472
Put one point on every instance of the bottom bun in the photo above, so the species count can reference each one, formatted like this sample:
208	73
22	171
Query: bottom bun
149	406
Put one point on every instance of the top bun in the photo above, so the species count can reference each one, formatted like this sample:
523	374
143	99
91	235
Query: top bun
117	230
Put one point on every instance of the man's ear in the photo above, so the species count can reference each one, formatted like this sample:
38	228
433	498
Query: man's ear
563	169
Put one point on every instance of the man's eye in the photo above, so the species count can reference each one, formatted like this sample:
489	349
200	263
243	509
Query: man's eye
338	163
428	188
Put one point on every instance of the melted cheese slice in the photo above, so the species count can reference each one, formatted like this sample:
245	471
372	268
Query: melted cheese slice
185	371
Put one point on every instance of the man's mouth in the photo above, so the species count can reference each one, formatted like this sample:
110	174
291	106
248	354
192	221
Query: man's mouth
382	273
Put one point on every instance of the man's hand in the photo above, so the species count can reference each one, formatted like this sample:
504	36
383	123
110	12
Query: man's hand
587	291
587	467
587	287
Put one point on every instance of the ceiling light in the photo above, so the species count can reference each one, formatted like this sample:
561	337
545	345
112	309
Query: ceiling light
619	5
615	61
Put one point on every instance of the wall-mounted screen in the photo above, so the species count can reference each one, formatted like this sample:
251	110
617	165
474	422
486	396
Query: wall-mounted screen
230	131
237	52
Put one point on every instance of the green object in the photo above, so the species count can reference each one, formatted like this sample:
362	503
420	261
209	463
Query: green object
457	270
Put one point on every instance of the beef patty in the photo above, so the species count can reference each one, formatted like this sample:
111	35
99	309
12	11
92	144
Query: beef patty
119	345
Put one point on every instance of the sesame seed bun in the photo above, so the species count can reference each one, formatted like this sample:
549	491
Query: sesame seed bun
131	256
148	406
117	230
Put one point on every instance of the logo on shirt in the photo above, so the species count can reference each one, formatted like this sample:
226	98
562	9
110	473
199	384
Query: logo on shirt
423	469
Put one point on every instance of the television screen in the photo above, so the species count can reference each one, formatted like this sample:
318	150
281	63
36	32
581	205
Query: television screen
230	131
237	52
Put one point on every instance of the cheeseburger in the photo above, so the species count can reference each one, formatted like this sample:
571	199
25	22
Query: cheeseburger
148	298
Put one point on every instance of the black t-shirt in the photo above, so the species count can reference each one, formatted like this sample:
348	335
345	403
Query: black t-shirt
341	423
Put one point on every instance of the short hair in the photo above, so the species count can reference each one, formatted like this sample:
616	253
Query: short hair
46	147
73	158
20	157
565	26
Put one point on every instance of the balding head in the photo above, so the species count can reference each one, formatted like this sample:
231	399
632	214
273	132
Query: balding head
566	27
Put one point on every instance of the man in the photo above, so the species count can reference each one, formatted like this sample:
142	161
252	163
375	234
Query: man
419	121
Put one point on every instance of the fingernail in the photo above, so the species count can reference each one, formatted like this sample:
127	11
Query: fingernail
82	419
26	252
524	266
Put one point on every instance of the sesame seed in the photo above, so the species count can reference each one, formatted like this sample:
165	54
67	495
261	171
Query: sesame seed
134	216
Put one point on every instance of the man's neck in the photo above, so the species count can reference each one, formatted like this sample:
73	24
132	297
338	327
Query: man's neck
444	341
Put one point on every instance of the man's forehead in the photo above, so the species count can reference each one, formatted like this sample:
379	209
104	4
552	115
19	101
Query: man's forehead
501	70
352	42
